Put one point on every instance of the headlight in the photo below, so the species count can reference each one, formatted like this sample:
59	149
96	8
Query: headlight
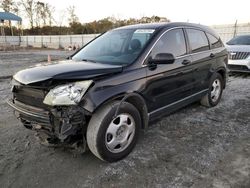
69	94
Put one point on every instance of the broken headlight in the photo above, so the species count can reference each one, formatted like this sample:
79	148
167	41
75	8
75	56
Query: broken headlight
69	94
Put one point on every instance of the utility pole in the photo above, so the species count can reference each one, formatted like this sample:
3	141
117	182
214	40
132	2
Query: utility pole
235	28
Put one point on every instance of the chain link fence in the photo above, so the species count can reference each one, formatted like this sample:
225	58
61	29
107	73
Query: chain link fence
48	41
229	31
56	41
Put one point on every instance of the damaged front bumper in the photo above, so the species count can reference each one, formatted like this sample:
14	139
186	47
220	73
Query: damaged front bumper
57	125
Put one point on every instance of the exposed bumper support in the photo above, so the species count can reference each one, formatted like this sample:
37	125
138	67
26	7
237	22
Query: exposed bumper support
61	124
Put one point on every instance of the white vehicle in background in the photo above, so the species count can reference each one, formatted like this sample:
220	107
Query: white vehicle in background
239	54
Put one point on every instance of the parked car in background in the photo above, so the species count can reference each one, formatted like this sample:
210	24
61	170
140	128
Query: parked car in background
239	53
111	88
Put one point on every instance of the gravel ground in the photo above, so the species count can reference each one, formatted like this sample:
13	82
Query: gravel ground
193	147
12	62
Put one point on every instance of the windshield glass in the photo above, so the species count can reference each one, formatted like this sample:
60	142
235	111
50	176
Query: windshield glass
240	40
117	47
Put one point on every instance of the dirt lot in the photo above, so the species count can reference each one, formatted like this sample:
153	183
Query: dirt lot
13	61
194	147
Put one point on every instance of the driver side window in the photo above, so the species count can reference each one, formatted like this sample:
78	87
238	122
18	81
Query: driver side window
171	42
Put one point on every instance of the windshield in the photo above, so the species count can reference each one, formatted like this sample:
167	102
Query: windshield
117	47
240	40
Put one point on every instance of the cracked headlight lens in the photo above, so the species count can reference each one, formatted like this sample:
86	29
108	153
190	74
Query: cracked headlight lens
69	94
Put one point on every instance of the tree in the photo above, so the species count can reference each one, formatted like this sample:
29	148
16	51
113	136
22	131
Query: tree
15	8
156	18
76	28
99	26
48	11
7	5
43	14
39	13
29	8
72	15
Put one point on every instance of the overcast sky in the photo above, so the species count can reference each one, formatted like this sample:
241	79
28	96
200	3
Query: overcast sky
207	12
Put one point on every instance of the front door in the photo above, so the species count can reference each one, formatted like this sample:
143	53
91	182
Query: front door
169	83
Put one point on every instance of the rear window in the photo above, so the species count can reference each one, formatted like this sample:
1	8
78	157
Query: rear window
198	40
215	42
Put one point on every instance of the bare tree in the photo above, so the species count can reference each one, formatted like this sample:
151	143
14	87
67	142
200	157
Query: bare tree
61	18
16	8
39	13
10	6
43	14
72	15
48	9
29	8
6	5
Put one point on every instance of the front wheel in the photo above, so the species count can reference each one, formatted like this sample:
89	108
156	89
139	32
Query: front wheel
212	98
111	137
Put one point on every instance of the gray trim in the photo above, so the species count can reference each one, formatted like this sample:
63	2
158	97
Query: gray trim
164	107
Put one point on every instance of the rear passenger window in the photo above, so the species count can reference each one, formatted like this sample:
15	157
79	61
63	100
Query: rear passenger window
198	40
215	42
171	42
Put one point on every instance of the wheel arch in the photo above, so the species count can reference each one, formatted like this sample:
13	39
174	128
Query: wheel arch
223	74
133	98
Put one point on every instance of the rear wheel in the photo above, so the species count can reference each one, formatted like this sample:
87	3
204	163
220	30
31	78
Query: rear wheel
111	137
212	98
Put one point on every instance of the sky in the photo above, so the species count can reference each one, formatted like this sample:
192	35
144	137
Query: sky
210	12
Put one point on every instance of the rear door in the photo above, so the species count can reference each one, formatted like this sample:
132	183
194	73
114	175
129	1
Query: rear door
202	57
168	83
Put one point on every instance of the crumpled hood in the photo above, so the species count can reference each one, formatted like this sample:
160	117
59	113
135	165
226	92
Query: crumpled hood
238	48
65	70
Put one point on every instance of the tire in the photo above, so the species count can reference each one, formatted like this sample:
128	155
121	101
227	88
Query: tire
212	98
113	138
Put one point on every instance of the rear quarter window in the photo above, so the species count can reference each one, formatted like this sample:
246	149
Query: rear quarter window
197	40
214	41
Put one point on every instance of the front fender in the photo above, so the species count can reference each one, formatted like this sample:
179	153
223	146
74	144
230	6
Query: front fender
113	88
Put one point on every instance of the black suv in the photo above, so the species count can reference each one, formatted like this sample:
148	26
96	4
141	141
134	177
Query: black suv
111	88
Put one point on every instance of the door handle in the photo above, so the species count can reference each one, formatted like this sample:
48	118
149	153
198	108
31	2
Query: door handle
186	62
212	55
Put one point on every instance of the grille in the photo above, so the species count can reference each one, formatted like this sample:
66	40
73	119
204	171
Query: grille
30	96
238	55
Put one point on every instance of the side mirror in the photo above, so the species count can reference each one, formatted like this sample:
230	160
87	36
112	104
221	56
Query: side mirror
162	58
